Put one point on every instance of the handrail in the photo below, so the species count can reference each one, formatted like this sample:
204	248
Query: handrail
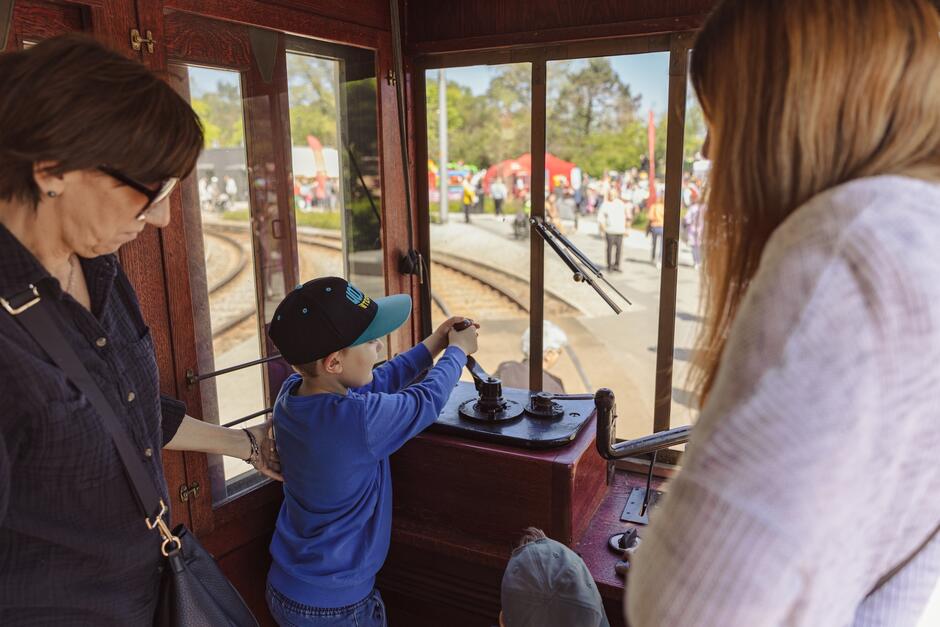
192	378
249	417
609	448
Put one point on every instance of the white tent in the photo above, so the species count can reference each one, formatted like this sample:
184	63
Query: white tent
306	165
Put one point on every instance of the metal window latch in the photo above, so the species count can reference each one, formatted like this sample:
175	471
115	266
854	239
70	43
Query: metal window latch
671	258
187	491
391	78
137	41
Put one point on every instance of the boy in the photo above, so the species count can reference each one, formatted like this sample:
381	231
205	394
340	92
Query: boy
546	584
337	422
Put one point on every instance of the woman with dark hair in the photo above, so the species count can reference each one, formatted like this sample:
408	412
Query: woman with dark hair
91	144
809	490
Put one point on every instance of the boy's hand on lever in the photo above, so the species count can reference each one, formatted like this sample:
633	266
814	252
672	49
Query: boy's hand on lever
438	341
465	339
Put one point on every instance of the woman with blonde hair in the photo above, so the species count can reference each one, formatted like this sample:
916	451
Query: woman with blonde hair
808	494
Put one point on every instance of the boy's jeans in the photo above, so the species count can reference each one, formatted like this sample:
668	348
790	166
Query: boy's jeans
369	612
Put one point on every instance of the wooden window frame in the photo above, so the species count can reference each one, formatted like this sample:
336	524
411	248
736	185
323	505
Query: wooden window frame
678	46
222	524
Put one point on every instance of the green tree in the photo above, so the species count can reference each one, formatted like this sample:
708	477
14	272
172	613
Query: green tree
469	132
312	97
695	130
593	116
221	114
509	98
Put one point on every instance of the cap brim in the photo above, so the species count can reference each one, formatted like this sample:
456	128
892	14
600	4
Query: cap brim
393	312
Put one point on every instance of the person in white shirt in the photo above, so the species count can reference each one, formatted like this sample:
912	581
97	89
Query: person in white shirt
808	494
612	223
498	192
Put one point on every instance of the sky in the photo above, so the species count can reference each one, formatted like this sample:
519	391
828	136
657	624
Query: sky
646	74
203	80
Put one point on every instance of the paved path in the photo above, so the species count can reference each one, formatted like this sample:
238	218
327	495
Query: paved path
618	352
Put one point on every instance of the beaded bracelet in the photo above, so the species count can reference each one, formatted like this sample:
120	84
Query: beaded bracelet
255	455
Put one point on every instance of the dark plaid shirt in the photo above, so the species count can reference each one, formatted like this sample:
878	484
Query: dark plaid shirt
74	548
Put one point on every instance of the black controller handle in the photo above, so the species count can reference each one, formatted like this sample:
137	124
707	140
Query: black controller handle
463	324
478	373
480	376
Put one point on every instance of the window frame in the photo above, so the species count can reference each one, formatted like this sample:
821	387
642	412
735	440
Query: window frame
220	521
678	45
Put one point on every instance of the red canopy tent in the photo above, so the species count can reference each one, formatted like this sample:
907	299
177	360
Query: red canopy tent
522	166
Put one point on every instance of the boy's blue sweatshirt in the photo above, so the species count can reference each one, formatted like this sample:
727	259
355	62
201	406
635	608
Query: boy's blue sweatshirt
334	527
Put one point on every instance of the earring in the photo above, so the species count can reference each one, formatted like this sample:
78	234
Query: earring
51	194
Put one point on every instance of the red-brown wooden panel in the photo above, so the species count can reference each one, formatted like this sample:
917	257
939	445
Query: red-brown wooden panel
592	547
460	509
372	13
284	19
247	569
200	40
479	24
395	241
473	499
422	588
109	21
34	20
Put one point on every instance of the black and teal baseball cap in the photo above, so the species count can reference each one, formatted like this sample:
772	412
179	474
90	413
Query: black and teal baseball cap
328	314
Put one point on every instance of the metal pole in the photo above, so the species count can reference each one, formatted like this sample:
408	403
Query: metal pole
442	133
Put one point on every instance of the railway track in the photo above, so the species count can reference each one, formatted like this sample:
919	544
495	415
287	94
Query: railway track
459	286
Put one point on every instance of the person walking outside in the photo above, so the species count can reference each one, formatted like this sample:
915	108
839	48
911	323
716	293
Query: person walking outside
612	223
656	214
469	197
498	192
694	222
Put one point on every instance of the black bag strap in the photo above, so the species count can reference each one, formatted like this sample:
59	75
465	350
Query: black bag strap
28	308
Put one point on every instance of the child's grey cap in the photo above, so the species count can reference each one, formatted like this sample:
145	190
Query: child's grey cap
546	584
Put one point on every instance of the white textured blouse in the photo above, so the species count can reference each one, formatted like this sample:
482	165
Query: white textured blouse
814	468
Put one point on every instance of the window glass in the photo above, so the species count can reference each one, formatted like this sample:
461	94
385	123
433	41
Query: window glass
228	261
335	158
688	315
605	179
479	171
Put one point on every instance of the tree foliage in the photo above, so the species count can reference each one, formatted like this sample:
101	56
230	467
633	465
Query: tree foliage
487	128
221	115
593	120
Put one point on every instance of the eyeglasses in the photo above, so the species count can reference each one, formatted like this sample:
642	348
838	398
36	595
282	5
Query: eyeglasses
153	197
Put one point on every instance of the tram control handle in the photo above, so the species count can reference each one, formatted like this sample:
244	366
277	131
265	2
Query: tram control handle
641	500
607	445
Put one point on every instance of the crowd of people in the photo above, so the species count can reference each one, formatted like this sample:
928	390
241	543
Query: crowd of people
618	201
315	194
218	196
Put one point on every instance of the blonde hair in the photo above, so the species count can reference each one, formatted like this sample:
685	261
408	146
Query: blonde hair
530	535
802	96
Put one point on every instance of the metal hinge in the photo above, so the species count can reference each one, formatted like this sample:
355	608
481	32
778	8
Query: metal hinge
187	491
391	78
137	41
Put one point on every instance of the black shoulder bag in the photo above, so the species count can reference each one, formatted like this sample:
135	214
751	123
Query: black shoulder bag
193	590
